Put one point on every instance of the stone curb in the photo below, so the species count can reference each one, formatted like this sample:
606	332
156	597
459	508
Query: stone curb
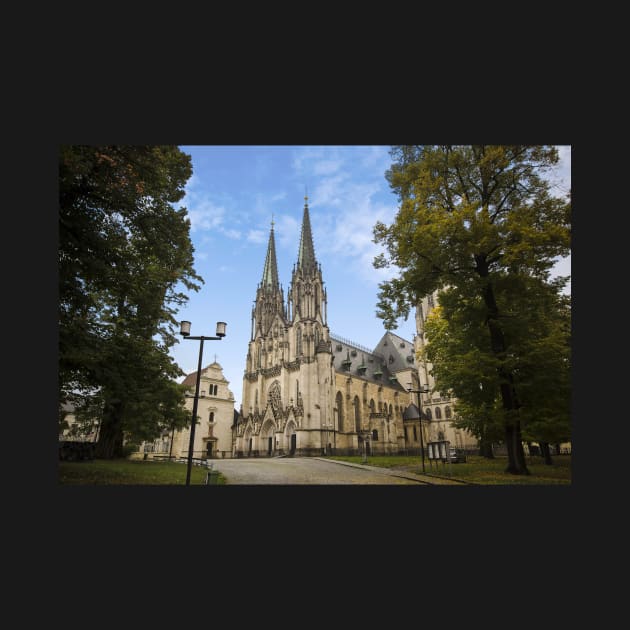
427	479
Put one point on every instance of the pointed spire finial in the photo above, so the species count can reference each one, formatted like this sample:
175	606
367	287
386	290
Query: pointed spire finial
270	272
305	195
306	252
272	223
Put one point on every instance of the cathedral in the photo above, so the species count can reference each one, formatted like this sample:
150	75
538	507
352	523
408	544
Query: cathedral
307	391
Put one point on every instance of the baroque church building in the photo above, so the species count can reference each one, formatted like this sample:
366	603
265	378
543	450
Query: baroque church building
308	392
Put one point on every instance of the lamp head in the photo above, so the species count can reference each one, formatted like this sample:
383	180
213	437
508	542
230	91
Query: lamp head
221	329
184	328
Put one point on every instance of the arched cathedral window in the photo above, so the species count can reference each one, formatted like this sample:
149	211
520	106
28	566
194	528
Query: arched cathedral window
275	397
339	403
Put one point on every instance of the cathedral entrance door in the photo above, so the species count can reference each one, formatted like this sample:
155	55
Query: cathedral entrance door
269	446
293	444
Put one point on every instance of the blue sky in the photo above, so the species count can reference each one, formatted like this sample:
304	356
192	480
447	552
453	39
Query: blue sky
231	198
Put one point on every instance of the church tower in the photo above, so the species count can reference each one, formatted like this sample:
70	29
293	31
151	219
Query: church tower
289	378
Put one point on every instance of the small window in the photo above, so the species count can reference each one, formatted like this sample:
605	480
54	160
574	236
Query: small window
375	435
438	413
415	433
447	411
211	418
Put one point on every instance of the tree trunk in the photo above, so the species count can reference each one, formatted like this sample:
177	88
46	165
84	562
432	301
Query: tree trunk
110	441
516	454
546	453
485	448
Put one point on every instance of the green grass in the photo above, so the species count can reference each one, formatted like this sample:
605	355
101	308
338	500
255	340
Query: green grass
101	472
478	470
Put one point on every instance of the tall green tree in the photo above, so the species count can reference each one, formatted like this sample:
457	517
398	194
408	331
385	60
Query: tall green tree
124	256
536	322
468	216
463	365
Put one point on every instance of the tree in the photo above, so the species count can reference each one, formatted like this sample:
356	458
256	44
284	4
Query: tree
462	368
536	323
124	252
470	217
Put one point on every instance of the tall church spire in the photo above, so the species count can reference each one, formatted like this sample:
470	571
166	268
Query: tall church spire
270	271
306	253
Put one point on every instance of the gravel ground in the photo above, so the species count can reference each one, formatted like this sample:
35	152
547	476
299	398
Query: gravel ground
310	471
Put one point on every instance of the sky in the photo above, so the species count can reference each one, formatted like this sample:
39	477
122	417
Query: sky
235	193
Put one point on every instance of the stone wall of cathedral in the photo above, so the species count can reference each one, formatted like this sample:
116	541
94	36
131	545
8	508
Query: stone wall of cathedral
367	416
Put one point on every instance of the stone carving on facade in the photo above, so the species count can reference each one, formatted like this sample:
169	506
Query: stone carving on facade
292	366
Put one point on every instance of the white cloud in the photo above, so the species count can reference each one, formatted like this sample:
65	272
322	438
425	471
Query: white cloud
287	230
330	191
205	215
256	236
377	159
235	234
326	167
317	161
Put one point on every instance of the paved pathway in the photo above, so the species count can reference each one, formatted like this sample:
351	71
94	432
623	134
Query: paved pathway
314	471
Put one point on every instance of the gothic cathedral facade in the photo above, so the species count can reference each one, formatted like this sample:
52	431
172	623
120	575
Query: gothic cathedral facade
288	381
305	391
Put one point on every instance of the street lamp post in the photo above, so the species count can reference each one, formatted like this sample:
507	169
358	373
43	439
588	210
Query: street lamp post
424	390
185	333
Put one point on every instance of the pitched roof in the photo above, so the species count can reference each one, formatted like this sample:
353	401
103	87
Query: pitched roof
350	355
191	379
398	352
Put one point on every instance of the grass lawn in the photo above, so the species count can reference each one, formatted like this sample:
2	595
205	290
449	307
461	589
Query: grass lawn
479	470
115	472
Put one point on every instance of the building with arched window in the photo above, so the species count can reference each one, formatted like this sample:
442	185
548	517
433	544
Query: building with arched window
307	391
215	417
436	406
